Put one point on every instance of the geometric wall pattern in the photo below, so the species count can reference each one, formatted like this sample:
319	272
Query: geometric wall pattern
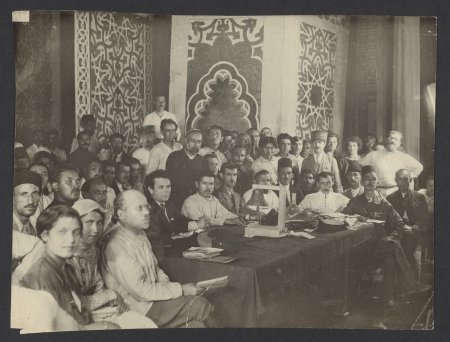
224	73
32	75
112	72
316	68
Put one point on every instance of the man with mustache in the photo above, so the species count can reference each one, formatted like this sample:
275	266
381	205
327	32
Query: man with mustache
214	138
96	189
254	151
118	154
81	155
231	200
319	161
92	169
307	182
286	175
65	182
244	174
387	162
371	205
122	177
130	268
26	196
155	118
325	200
88	124
203	203
182	167
354	179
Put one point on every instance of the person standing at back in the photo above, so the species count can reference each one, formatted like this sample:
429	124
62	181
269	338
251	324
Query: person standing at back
155	118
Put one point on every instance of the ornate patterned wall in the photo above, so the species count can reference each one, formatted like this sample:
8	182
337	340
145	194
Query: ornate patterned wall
224	73
33	75
315	79
112	72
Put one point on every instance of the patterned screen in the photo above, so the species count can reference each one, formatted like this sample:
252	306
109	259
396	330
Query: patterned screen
315	80
224	73
33	75
112	73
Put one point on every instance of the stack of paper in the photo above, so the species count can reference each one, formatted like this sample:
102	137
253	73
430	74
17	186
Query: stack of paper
201	253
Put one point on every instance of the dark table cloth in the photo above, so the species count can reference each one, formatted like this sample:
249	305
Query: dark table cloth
264	267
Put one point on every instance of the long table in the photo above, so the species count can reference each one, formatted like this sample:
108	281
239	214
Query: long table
265	266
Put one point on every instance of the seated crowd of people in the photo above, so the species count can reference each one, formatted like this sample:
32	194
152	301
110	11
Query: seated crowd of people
86	224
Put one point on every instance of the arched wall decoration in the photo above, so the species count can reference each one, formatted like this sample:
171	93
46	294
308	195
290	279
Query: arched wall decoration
32	75
233	48
113	72
222	98
316	68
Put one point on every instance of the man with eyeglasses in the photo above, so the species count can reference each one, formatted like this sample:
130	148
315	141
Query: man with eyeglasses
213	140
267	161
130	268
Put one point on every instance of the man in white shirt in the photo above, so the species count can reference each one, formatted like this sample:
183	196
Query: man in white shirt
38	140
387	162
159	154
155	118
324	201
354	178
263	178
267	161
213	140
88	124
142	154
52	140
130	268
203	203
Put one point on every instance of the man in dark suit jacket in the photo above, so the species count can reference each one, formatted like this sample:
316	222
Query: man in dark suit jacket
285	176
120	182
183	166
354	179
230	199
244	179
118	154
412	207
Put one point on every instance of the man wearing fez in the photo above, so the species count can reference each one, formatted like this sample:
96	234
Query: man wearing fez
231	200
371	205
245	175
65	182
388	161
130	268
159	154
325	200
82	154
286	175
267	161
26	195
148	138
354	179
412	208
182	167
319	161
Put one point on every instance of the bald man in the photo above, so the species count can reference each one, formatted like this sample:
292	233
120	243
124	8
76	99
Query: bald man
412	207
130	268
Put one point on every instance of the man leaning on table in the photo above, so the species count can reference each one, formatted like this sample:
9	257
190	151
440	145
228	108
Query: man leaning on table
325	200
130	268
371	205
203	203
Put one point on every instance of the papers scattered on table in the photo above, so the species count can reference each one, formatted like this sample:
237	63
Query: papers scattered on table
375	221
186	235
351	221
201	253
310	230
301	234
213	283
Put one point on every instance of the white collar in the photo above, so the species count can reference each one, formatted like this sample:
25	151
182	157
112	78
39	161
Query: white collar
188	154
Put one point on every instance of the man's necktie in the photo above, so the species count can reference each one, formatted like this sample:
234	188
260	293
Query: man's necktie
163	207
234	210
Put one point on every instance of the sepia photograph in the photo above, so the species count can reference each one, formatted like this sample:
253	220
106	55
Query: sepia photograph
199	171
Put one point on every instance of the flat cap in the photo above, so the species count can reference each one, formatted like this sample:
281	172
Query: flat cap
27	177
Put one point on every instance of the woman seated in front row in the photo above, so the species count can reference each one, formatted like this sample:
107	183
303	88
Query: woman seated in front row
60	228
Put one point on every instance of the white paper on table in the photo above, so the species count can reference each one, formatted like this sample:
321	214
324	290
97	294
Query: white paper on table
375	221
302	234
213	283
205	249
